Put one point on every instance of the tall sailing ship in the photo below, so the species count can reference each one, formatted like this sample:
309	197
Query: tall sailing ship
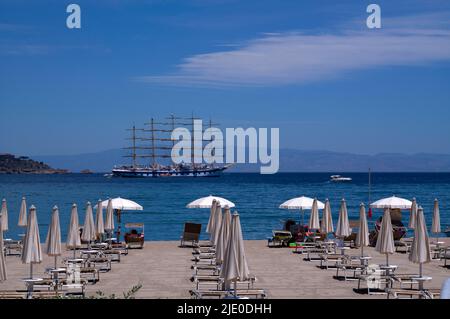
155	143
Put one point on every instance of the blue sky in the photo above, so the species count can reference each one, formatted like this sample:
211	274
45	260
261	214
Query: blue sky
311	68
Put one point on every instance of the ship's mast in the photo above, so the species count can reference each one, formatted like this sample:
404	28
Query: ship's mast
134	146
133	154
193	142
152	129
158	140
172	122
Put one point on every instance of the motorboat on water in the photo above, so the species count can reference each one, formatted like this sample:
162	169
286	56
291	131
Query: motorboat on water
339	178
447	231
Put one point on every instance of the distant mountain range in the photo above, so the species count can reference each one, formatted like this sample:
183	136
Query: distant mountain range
290	161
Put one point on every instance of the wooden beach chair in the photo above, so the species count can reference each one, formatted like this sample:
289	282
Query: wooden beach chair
203	244
325	260
348	264
53	294
243	293
69	288
123	247
403	245
104	263
405	279
13	294
280	238
44	284
191	233
398	293
91	274
13	248
316	251
210	269
209	281
446	256
433	293
113	254
135	238
376	282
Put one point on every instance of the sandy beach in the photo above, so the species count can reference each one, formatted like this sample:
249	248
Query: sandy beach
164	270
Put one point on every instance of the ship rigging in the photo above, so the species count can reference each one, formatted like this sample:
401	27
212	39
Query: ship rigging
155	142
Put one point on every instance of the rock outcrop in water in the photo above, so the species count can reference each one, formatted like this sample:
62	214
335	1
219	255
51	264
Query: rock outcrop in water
10	164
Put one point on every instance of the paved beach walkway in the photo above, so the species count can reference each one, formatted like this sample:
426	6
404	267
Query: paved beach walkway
163	269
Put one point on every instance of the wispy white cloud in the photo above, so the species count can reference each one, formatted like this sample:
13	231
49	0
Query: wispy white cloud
299	57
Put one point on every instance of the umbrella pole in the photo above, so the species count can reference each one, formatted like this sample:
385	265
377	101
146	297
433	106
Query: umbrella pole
31	270
56	259
387	259
235	288
303	217
420	274
119	228
74	252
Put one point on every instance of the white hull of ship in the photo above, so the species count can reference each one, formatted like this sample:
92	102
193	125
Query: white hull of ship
138	173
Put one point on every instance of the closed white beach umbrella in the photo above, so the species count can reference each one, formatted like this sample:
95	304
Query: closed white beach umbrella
235	266
314	222
420	249
53	241
413	214
224	235
3	276
301	203
99	225
217	225
343	226
206	202
385	239
23	213
362	238
109	221
31	251
73	235
88	233
4	214
393	202
212	213
436	223
327	220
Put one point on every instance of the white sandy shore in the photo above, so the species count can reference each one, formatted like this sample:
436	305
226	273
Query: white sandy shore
163	269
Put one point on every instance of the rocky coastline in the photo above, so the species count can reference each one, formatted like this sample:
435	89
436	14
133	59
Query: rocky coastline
10	164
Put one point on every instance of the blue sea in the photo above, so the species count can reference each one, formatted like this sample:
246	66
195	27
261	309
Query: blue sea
256	196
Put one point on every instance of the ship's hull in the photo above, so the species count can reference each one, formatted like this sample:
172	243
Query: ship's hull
145	172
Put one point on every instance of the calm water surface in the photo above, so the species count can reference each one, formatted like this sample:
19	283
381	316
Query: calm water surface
256	196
